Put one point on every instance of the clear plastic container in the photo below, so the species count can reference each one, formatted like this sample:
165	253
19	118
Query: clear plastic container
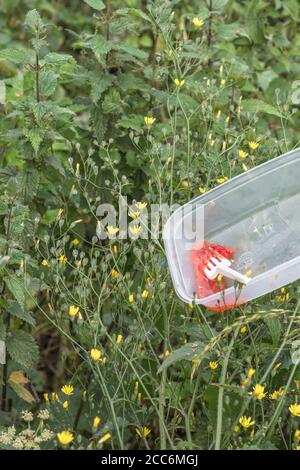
258	214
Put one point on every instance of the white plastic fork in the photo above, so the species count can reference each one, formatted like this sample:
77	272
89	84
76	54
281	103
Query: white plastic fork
221	265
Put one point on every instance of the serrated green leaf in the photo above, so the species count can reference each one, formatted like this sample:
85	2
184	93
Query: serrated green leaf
16	56
33	20
99	83
259	106
48	83
17	311
100	46
112	101
56	59
35	137
96	4
133	51
22	348
17	288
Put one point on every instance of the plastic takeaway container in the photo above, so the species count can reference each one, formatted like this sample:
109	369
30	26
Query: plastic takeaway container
258	215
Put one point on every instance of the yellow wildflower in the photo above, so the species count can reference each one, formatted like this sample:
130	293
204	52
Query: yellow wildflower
145	294
243	154
95	354
277	394
243	329
250	373
59	213
236	429
119	339
136	229
112	230
179	83
167	353
297	435
65	437
149	120
139	397
114	273
141	205
136	386
284	297
63	259
295	410
46	396
75	242
134	215
197	22
144	432
96	422
202	190
213	365
253	145
258	392
222	179
218	115
67	389
65	404
73	311
131	298
45	262
105	438
246	422
54	396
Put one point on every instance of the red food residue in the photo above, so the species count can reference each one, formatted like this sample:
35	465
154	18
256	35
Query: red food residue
200	258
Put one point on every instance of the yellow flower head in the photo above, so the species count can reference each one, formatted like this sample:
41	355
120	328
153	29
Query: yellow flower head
222	179
297	435
136	229
243	154
134	215
145	294
258	392
114	273
202	190
119	339
143	432
65	437
149	120
75	242
197	22
131	298
73	311
96	422
67	389
250	373
253	145
277	394
65	404
243	330
63	259
95	354
46	396
112	230
295	410
213	365
105	438
141	205
45	262
246	422
179	83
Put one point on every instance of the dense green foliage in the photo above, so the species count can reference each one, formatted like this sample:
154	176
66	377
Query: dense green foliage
80	76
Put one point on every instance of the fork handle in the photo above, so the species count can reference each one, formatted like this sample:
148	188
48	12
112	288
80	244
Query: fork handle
232	274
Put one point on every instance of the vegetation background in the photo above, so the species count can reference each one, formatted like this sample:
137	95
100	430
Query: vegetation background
158	101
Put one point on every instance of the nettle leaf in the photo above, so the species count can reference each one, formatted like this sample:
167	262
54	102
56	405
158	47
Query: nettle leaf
16	56
17	311
57	60
99	83
133	51
187	352
35	137
28	180
100	46
259	106
99	122
112	101
16	286
48	83
132	122
23	386
33	20
96	4
22	348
